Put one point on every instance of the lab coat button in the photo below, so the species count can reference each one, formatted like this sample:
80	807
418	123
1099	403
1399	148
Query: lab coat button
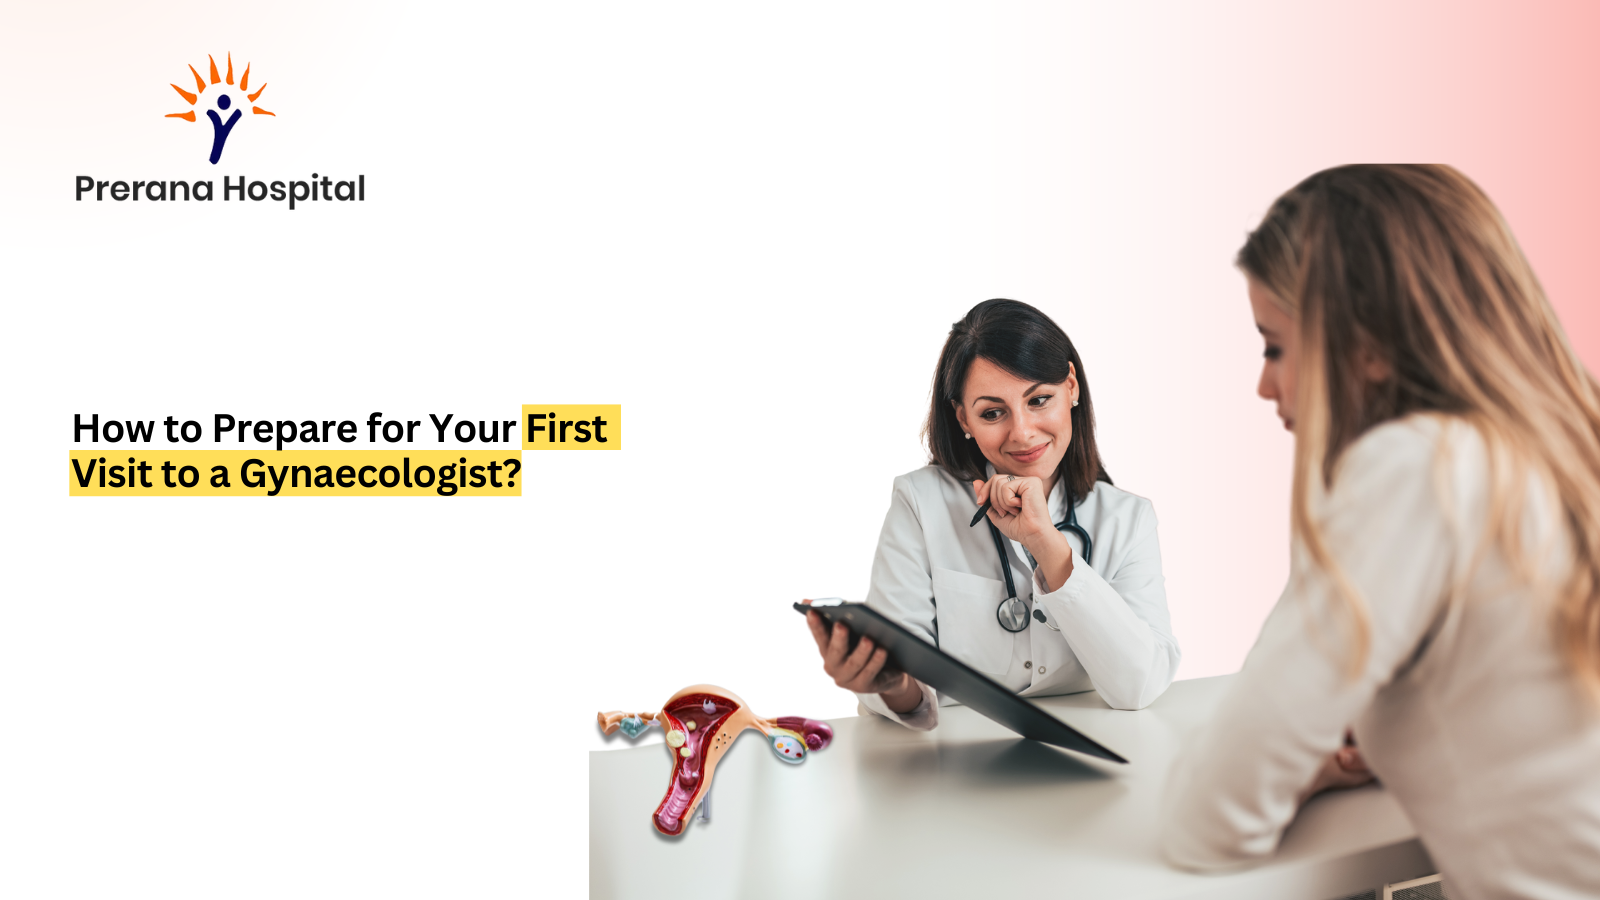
1041	670
1028	664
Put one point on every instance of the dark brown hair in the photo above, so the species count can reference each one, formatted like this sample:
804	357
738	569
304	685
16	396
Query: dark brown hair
1026	343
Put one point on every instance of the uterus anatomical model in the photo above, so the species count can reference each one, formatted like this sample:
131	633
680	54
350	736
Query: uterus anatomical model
701	722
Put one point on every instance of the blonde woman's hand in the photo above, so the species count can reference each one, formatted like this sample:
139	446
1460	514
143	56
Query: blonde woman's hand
1344	768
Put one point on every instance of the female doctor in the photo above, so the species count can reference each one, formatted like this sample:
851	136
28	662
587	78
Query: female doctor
1060	589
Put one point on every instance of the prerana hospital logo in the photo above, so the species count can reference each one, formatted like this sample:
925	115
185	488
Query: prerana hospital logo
222	104
221	101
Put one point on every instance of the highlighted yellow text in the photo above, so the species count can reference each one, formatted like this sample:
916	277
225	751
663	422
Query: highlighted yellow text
572	426
296	473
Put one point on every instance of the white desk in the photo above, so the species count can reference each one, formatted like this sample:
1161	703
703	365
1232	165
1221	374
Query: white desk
967	810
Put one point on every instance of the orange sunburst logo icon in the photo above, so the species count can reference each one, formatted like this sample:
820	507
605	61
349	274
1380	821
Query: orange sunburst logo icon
222	100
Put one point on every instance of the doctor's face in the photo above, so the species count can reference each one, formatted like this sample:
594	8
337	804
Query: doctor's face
1022	427
1281	355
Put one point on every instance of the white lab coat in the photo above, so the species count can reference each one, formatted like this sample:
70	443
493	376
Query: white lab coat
941	579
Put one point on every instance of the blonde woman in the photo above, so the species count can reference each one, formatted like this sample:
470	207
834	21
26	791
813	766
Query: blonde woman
1444	596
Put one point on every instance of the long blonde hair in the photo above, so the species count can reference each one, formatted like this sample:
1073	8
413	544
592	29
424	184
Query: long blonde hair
1413	267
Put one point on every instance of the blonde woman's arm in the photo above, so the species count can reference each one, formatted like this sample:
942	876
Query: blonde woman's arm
1238	782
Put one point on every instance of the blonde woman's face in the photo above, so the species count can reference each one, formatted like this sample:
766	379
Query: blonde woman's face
1281	354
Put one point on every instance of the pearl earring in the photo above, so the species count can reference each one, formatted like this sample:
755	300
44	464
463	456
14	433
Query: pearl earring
969	437
1074	403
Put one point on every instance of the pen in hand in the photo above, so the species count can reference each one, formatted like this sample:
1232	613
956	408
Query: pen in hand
982	511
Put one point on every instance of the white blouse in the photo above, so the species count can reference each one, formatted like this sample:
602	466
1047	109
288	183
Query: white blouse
1464	707
940	577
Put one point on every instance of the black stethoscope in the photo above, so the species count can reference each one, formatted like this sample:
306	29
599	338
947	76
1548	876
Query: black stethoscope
1012	612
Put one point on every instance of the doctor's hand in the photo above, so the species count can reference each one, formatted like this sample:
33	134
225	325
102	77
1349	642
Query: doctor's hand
1021	510
1022	513
865	669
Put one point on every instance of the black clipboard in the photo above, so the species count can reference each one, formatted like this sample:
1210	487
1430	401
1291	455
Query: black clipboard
948	675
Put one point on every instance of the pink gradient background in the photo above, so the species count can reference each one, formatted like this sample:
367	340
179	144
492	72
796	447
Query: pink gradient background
761	220
1110	161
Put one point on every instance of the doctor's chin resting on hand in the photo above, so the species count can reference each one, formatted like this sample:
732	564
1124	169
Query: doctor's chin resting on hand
1058	589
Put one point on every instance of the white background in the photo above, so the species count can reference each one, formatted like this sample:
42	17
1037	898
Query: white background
751	227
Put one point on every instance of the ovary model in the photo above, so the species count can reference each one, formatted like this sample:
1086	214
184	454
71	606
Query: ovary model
701	722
